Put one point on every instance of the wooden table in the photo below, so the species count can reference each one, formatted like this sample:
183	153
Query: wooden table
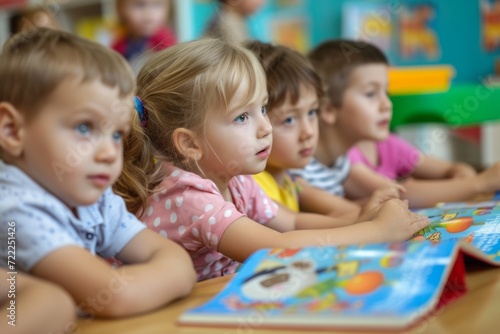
478	311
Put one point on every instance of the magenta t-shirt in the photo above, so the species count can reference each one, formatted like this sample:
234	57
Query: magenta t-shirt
397	158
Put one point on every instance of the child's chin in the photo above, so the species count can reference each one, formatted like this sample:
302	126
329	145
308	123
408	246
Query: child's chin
253	171
382	136
87	201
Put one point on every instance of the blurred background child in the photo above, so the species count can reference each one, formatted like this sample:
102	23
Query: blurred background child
61	146
32	18
144	28
357	110
229	22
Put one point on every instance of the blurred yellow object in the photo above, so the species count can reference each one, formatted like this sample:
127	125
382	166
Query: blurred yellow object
97	29
420	79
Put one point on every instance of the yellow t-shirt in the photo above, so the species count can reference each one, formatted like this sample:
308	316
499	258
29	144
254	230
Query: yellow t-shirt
286	195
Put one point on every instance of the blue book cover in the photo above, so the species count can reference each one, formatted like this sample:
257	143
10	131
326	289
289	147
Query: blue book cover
375	286
475	223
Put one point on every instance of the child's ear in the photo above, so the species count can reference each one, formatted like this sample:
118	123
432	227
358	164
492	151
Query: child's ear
11	129
185	142
328	112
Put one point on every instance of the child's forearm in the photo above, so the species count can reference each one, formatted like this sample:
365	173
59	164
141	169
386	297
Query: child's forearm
159	276
363	232
362	182
461	170
309	221
312	199
167	276
41	307
351	216
366	232
427	193
260	236
393	222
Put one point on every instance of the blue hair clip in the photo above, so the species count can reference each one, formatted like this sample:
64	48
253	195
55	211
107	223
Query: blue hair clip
143	114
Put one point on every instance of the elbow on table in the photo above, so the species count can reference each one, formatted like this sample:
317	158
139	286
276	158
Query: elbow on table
133	301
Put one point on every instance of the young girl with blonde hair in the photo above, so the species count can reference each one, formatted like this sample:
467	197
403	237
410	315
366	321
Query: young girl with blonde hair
200	131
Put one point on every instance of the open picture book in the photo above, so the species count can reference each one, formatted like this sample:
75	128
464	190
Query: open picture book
474	223
388	286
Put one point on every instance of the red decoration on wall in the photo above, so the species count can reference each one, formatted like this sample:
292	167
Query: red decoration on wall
4	4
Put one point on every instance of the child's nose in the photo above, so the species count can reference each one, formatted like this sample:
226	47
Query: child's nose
107	151
265	127
307	130
386	103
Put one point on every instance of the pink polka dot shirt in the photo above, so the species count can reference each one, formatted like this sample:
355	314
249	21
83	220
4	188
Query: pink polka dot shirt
191	211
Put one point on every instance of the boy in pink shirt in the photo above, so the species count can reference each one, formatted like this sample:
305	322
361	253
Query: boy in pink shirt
357	112
397	158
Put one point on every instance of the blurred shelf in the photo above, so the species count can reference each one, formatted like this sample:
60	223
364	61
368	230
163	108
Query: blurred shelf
461	105
420	79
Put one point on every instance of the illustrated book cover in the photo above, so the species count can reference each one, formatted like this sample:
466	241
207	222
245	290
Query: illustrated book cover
475	223
388	286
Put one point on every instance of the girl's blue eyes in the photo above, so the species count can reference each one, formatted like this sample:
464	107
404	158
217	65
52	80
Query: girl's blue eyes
83	129
313	112
241	118
292	120
117	136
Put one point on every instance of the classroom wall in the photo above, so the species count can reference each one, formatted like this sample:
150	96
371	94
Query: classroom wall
457	25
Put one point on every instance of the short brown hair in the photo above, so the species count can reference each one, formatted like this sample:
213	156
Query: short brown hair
335	60
33	63
286	71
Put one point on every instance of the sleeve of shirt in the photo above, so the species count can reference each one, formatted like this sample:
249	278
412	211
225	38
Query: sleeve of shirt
407	155
192	212
211	221
355	156
346	169
30	230
261	209
120	226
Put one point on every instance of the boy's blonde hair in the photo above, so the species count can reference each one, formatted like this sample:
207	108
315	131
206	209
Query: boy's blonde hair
286	72
35	62
335	60
180	87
